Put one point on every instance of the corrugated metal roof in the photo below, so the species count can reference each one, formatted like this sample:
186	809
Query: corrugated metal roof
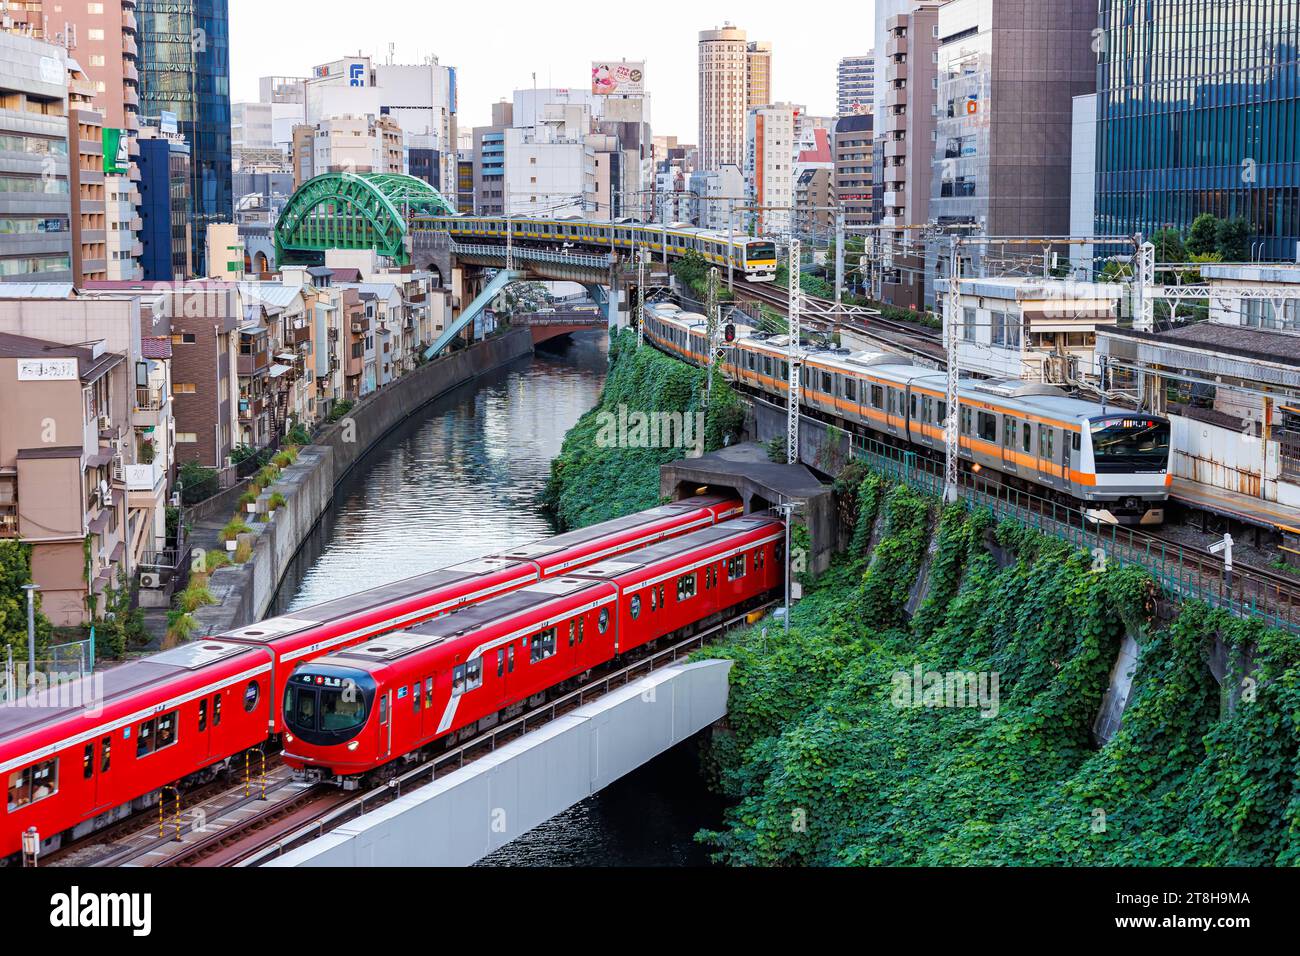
36	290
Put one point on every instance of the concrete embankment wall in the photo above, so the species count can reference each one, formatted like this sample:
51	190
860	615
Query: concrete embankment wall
458	819
244	592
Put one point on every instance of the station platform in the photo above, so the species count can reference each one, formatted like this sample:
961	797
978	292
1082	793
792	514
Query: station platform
1256	512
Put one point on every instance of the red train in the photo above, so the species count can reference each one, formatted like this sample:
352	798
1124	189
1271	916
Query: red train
80	757
366	710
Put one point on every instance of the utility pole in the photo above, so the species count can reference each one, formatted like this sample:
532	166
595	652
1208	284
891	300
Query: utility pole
640	297
731	245
839	264
794	358
711	333
951	432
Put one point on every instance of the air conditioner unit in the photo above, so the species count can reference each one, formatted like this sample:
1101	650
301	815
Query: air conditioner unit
104	492
356	327
105	423
151	580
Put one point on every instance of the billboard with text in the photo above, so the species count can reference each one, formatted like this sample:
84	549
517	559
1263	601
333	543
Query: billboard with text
622	77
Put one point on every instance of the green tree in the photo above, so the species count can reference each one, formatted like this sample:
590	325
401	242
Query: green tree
15	571
1232	240
1169	248
1202	238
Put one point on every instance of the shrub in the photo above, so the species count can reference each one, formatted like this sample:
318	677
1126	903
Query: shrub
197	482
267	476
180	626
194	597
283	460
243	553
233	529
277	501
215	560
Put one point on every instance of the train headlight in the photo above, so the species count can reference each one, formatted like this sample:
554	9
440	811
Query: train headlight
354	745
977	468
288	738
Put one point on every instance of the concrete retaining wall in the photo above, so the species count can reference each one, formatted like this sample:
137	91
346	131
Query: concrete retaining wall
244	593
462	817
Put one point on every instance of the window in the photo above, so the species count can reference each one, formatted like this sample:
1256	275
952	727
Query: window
166	732
251	695
216	710
501	663
877	396
467	676
183	388
654	599
686	587
415	697
1046	442
88	761
105	754
1028	439
602	623
428	689
383	710
510	659
186	438
849	389
1009	432
827	385
634	607
144	740
988	426
95	34
543	645
736	567
968	325
33	783
203	715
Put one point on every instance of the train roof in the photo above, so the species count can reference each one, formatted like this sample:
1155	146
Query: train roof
77	702
722	534
547	546
271	629
391	647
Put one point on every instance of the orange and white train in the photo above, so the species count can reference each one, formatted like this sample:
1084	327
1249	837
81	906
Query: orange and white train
1112	462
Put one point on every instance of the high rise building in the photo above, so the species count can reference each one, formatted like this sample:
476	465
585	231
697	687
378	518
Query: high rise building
904	149
1196	112
550	165
101	38
164	206
185	60
758	74
724	95
770	144
1008	75
855	87
853	167
35	189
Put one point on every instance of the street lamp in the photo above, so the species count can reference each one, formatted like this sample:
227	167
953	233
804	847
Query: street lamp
31	590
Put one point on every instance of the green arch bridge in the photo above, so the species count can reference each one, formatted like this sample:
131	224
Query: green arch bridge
354	211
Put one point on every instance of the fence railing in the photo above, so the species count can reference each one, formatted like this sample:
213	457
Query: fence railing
1182	571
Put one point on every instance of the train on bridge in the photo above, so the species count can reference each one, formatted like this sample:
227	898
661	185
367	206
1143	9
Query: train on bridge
754	259
81	756
358	716
1112	463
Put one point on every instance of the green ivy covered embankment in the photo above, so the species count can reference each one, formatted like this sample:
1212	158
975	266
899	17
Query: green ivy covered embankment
828	766
600	473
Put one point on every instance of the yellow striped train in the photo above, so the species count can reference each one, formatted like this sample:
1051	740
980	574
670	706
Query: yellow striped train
1112	462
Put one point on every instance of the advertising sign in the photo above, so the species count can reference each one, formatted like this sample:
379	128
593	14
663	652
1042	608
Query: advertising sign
625	77
167	123
46	370
116	160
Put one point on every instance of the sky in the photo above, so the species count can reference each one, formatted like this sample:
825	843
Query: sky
497	46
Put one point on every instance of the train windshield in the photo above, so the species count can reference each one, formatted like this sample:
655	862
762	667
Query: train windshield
762	251
1128	444
324	709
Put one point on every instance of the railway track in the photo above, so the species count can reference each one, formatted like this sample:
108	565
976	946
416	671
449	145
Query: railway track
896	336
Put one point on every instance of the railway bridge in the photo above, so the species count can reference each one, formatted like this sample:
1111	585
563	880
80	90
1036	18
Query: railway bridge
382	213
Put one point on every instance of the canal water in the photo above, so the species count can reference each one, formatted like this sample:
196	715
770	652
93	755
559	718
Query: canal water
459	481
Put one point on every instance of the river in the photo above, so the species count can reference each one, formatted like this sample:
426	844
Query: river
459	481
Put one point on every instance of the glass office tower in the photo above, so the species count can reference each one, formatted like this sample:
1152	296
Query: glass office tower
185	69
1199	111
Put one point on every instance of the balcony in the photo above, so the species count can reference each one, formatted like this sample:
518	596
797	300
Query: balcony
150	408
253	364
144	484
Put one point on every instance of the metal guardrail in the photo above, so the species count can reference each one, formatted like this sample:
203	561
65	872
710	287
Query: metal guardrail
527	254
1185	572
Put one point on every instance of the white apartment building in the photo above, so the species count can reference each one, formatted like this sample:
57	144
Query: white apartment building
1038	330
550	164
711	189
770	143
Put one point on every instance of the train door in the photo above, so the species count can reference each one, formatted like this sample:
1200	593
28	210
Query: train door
1010	439
384	726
